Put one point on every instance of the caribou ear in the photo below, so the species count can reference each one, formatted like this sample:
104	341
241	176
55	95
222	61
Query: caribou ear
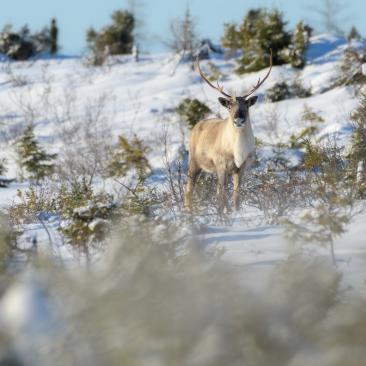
225	102
252	100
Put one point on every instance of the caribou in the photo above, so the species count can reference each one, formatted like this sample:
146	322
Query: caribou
223	146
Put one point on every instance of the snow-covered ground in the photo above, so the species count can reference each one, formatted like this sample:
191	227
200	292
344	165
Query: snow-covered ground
139	98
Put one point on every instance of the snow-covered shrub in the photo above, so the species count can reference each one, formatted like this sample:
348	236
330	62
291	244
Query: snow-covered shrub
23	44
86	215
311	120
357	153
192	111
350	70
129	155
274	187
310	116
260	31
35	160
114	39
86	139
154	299
279	91
333	196
31	203
298	89
282	90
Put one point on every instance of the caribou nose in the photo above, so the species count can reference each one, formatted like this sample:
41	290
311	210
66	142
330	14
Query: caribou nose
239	122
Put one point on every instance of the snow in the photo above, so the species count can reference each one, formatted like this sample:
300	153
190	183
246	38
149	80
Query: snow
140	98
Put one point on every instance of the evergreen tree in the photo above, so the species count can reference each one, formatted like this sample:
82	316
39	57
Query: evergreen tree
260	31
32	157
117	38
354	34
23	44
192	111
300	40
350	70
230	40
358	138
128	155
54	37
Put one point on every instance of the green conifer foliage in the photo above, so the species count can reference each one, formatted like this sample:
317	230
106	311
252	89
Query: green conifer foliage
117	38
129	155
53	37
354	35
295	54
358	137
33	158
260	31
192	111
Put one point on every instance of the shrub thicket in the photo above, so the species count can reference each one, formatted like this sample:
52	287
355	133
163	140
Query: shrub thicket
86	215
279	91
21	45
282	90
333	196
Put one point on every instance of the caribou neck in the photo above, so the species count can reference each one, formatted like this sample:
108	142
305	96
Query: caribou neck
241	140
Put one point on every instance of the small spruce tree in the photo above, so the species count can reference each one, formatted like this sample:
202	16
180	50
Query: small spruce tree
33	158
357	152
192	111
300	40
116	38
129	155
354	34
54	37
350	70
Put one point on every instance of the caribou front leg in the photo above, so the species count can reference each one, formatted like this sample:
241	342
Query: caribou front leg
221	190
236	184
237	177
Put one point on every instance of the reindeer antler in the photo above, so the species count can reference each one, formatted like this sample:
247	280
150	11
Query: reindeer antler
219	88
259	83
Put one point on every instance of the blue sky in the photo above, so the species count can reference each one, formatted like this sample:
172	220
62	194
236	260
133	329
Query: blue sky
75	16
